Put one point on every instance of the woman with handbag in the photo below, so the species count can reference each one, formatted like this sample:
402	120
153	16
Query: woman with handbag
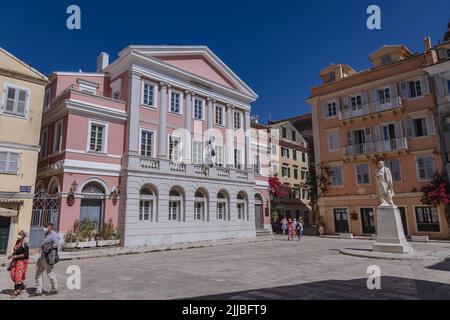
19	263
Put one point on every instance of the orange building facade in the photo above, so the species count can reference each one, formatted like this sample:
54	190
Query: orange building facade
387	112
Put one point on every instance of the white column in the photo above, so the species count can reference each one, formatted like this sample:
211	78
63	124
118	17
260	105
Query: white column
230	135
210	112
133	113
163	120
247	140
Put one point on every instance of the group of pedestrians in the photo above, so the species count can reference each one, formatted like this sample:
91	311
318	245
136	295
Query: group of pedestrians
48	257
293	228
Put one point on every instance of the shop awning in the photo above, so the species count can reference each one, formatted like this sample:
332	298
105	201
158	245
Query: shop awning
7	212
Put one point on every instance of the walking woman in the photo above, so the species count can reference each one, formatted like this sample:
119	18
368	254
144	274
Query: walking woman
291	229
284	225
19	263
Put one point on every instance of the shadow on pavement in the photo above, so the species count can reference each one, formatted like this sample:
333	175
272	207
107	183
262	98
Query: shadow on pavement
392	288
443	266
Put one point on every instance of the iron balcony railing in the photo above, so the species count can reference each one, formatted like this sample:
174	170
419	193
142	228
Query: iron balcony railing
373	147
349	111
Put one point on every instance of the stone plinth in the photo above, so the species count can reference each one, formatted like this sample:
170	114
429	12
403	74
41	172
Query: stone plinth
390	235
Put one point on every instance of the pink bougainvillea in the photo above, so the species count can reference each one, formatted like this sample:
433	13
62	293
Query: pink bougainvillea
277	188
437	192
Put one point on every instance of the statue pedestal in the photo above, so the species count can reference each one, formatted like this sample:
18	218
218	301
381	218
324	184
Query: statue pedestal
390	235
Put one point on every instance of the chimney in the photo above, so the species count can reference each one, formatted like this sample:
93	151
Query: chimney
102	61
427	43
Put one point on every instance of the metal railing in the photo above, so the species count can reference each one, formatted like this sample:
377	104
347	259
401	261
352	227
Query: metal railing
349	112
372	147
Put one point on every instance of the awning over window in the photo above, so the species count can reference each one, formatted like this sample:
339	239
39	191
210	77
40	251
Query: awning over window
8	212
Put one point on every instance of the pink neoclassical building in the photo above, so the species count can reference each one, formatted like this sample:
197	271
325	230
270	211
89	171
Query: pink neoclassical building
132	143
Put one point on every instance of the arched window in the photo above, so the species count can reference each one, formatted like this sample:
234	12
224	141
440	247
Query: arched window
147	204
241	205
222	206
200	205
176	204
93	203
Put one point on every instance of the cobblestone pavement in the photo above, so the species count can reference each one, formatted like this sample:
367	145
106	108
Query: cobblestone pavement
310	269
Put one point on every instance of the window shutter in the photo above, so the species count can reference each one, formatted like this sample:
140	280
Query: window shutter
324	110
425	86
409	127
431	128
368	133
4	95
398	129
394	90
349	138
346	102
376	133
404	90
364	98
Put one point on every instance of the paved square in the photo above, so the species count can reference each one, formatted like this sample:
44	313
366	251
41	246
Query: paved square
310	269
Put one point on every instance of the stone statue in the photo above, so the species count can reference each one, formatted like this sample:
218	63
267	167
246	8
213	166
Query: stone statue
385	186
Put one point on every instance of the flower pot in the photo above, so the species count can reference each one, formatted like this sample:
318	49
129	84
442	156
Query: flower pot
321	230
86	244
107	243
69	245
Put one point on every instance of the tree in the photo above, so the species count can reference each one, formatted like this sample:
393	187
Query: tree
437	193
277	188
317	184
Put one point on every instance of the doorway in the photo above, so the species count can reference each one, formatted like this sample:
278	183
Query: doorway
368	220
389	136
4	234
341	220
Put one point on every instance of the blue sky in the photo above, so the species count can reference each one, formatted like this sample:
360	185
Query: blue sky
277	47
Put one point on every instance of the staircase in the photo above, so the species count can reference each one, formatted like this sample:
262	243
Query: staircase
263	233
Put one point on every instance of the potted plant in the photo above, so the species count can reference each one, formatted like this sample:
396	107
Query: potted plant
86	234
70	240
108	235
321	225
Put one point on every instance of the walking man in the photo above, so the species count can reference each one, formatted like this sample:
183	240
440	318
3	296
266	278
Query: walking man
47	260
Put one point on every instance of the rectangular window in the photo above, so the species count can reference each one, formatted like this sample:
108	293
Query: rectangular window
175	148
386	59
237	120
362	173
294	135
174	209
275	169
47	99
425	168
285	171
219	116
356	103
333	141
145	210
44	143
9	162
237	159
295	173
198	109
148	95
197	152
274	149
294	154
415	89
175	102
147	143
256	164
283	133
331	109
384	96
16	101
57	136
219	158
303	157
97	138
420	127
336	176
199	211
285	152
427	219
448	87
221	211
394	166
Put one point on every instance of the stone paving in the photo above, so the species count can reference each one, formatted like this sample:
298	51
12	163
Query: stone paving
309	269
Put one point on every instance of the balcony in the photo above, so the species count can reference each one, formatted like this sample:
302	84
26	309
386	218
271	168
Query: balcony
371	108
163	166
76	93
375	147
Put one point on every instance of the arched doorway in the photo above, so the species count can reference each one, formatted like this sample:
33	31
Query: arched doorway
93	203
259	202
